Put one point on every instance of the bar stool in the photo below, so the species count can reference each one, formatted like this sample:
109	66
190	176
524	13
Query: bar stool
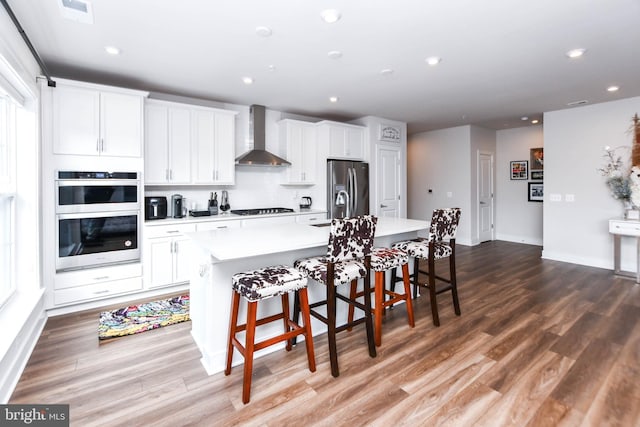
256	286
348	259
440	244
382	260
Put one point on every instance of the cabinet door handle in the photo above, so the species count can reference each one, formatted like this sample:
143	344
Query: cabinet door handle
171	174
98	145
166	174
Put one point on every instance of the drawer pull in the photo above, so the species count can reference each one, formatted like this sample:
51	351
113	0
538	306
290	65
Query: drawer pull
173	231
101	292
101	278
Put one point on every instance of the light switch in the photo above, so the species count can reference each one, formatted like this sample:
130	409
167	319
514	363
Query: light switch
569	197
555	197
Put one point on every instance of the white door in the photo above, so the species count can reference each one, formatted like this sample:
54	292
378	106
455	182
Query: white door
485	197
388	181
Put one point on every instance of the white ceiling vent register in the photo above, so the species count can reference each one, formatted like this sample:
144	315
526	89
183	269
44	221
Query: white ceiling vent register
76	10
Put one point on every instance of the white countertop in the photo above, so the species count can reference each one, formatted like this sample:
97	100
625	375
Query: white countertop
236	243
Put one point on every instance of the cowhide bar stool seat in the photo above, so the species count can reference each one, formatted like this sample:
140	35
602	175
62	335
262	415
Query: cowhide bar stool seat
256	286
382	260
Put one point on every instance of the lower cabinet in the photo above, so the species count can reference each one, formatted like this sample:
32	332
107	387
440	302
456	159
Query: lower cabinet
85	285
166	255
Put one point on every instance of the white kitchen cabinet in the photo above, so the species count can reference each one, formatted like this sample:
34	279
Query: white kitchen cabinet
213	146
91	122
71	287
298	139
166	255
167	157
271	220
312	218
345	141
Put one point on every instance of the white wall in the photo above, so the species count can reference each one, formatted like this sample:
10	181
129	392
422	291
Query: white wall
440	160
577	231
517	219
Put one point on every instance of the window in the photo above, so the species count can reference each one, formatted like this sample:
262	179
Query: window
7	197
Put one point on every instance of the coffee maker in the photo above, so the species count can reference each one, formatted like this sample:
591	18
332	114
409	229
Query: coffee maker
177	202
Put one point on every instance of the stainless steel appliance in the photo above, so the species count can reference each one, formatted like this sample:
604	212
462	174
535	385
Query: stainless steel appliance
260	211
347	188
177	203
155	208
98	219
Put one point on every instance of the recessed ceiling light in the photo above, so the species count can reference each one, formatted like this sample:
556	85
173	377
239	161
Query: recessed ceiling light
263	31
613	88
334	54
524	118
535	121
333	99
330	16
112	50
433	60
247	80
386	72
576	53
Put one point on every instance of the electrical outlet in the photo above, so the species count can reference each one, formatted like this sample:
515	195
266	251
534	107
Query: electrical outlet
555	197
569	197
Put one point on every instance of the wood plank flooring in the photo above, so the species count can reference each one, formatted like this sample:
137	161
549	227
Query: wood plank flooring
539	343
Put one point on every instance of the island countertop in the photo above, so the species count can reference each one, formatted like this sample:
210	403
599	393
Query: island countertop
236	243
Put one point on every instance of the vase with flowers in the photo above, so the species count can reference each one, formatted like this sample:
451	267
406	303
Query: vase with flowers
617	174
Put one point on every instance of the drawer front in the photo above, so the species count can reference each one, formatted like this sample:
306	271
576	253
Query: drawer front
311	218
168	230
71	279
626	228
96	291
215	225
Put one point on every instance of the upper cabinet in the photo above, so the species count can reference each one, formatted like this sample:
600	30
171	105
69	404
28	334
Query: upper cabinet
167	153
94	120
299	141
345	141
186	144
213	147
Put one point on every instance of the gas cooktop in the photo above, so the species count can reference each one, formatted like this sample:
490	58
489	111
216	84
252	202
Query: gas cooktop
260	211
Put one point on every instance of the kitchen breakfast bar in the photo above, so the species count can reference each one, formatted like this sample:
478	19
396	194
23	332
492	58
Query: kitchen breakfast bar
219	254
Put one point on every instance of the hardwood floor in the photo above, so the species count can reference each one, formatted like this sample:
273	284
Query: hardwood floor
539	343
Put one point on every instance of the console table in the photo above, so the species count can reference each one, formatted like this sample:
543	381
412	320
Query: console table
629	228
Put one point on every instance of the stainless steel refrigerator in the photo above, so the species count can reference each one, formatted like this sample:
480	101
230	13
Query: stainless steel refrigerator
347	188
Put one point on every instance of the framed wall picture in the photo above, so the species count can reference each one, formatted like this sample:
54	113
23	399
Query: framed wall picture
537	175
519	169
389	133
536	158
536	191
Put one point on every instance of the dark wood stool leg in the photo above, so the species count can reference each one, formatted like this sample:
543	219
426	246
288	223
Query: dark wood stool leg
407	293
331	320
392	283
378	309
308	338
286	316
296	316
432	289
248	357
233	322
352	295
416	262
367	311
454	282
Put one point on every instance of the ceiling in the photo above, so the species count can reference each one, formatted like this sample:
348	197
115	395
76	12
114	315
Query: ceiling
500	59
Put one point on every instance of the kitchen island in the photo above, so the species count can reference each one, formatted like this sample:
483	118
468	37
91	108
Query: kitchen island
218	254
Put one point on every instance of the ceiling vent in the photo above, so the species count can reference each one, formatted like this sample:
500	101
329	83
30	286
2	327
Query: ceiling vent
76	10
576	103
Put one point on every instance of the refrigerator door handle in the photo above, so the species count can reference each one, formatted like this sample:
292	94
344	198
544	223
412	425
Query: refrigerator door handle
355	191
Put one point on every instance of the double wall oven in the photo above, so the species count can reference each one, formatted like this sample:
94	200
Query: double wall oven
98	219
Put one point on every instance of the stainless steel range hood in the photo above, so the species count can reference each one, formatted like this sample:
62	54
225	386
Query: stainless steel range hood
259	156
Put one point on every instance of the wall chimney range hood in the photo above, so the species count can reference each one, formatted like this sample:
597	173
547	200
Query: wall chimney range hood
259	156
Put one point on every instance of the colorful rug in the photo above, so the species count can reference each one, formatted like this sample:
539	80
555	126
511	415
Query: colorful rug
144	317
